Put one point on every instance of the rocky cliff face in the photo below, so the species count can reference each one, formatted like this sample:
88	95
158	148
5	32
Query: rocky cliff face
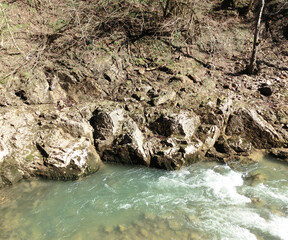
63	113
70	142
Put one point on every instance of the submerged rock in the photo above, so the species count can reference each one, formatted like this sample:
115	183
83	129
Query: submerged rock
255	178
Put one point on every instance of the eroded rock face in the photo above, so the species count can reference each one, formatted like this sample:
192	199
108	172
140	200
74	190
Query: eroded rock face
70	142
280	153
166	140
117	136
252	127
42	141
65	157
184	123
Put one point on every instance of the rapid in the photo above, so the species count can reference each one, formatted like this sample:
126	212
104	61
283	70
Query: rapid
206	200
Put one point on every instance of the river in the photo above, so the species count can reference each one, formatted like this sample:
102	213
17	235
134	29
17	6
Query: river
206	200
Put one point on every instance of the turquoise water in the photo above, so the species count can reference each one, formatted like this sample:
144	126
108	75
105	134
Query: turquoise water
202	201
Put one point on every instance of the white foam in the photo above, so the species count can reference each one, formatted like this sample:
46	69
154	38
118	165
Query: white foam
278	226
125	206
276	194
237	233
224	187
235	223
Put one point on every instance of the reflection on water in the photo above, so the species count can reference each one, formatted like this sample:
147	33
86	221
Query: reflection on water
203	201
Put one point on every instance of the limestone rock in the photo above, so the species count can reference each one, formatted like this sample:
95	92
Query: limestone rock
41	141
251	126
280	153
192	151
239	144
65	157
164	97
184	123
164	153
208	134
117	136
255	178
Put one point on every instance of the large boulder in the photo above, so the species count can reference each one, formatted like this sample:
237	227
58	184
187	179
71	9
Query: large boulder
43	141
249	125
166	139
117	136
184	123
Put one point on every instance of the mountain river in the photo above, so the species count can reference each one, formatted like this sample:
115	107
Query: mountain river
206	200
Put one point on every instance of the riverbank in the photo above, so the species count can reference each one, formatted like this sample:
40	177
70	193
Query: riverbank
78	89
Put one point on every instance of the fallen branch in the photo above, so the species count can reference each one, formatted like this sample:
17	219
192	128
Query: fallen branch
9	30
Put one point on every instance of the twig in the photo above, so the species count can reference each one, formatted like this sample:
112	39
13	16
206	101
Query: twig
23	64
9	29
14	70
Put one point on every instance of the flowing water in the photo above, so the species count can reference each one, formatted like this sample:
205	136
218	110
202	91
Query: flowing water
202	201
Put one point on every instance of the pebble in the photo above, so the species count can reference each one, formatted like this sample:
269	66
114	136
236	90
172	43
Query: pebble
149	216
108	229
144	232
122	228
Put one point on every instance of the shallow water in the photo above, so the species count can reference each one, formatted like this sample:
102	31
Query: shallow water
202	201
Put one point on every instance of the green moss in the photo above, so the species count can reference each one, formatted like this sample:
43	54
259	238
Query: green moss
29	157
4	5
58	25
25	75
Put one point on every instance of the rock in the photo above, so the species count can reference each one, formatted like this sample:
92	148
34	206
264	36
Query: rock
249	125
239	145
208	134
213	154
195	236
107	121
127	147
174	225
144	232
255	178
185	124
41	141
140	96
280	153
164	153
256	201
108	229
65	157
193	218
113	73
149	216
192	151
222	146
179	78
121	228
117	136
216	112
164	97
194	78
